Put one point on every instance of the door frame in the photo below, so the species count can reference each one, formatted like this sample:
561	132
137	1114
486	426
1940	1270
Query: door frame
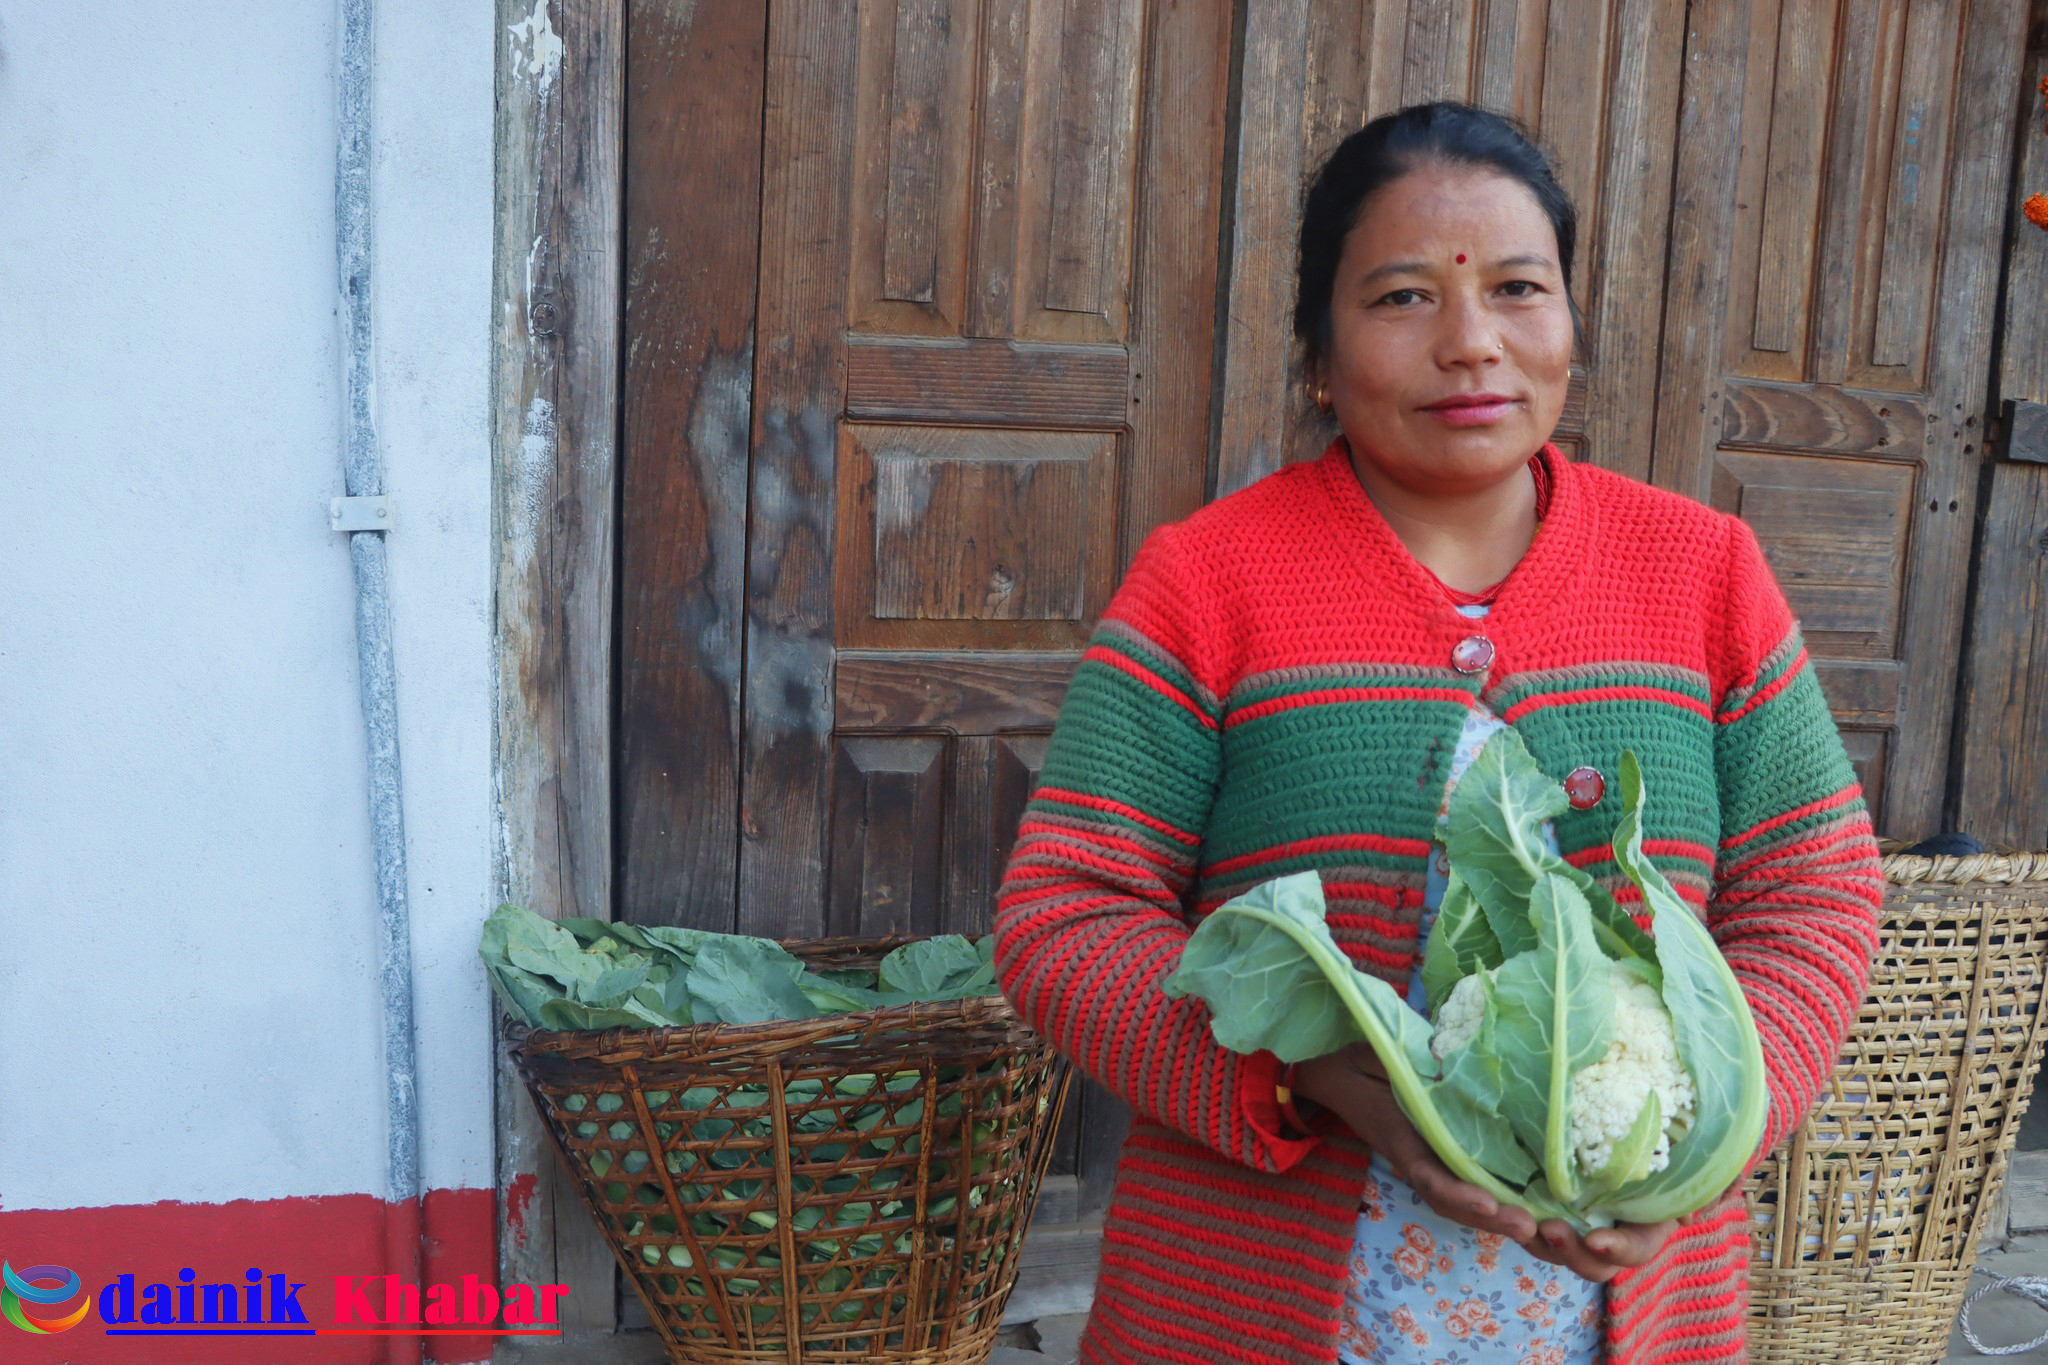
557	289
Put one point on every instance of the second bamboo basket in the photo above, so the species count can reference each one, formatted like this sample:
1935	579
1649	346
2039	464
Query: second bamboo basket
1865	1222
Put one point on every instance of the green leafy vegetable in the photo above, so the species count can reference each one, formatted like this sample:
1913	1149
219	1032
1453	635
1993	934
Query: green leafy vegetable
592	974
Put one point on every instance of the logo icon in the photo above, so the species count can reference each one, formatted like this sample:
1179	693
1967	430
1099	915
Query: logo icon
20	1287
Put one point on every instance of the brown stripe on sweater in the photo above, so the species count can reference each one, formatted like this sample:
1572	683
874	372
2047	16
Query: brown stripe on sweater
1163	661
1180	855
1767	667
1567	679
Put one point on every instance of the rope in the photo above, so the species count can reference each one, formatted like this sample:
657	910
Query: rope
2033	1288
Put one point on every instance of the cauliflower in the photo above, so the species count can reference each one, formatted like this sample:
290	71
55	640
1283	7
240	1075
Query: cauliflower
1608	1095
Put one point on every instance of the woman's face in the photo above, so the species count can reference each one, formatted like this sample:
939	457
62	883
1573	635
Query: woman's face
1450	333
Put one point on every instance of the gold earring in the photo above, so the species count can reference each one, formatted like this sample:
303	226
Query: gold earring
1323	397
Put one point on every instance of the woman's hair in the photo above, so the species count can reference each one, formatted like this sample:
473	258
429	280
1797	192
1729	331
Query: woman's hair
1441	134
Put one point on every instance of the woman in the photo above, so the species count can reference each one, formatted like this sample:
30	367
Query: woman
1293	678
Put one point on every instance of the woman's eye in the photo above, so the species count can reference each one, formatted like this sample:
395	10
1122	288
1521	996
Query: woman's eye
1401	298
1522	289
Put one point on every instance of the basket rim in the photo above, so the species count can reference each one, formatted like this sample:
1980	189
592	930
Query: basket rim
674	1041
1908	869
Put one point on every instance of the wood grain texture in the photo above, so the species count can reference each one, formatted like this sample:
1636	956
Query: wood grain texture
888	828
2023	342
1689	406
1261	382
1972	237
1095	69
967	693
2002	779
1861	691
1822	418
911	196
1174	286
1919	169
1573	117
974	538
981	540
693	119
1437	62
787	761
969	895
1798	141
992	272
1835	532
1862	497
917	110
1850	236
1504	32
2001	790
1626	234
1077	170
556	277
1017	384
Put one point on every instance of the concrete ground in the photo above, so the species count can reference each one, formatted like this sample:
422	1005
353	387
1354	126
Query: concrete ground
2000	1319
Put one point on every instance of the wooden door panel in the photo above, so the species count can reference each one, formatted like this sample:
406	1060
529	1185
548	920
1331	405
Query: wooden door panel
1835	532
987	381
973	694
913	138
989	237
888	816
1830	292
974	538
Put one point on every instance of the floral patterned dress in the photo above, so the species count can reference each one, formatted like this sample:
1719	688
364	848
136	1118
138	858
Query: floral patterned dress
1425	1290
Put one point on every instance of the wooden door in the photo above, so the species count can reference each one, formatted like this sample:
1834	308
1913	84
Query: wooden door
1842	172
965	251
1791	214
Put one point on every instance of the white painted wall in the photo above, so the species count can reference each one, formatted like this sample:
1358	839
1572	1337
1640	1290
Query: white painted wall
187	945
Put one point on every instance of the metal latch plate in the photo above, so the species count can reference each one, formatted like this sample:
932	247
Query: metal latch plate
361	514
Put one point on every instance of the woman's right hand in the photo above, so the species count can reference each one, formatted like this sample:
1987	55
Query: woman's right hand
1352	1084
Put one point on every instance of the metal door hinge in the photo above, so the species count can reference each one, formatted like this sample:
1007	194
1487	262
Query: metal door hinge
361	514
2024	434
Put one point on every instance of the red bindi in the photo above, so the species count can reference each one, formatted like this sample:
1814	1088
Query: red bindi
1461	258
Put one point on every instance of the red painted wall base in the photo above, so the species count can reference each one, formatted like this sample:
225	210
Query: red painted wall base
310	1241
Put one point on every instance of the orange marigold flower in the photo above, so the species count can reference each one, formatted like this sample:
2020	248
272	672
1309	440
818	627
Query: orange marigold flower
2036	209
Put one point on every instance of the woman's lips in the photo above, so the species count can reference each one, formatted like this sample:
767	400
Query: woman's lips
1477	411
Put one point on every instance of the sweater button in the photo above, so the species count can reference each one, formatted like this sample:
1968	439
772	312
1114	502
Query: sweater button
1473	654
1584	787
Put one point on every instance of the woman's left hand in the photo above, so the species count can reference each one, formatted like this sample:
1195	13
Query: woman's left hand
1603	1253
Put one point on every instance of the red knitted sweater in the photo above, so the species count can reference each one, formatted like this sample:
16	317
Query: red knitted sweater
1273	688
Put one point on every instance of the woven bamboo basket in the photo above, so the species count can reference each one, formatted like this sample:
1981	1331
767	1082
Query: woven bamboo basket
1865	1221
849	1188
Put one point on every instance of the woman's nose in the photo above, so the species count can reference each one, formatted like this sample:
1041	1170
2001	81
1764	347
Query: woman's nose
1469	334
